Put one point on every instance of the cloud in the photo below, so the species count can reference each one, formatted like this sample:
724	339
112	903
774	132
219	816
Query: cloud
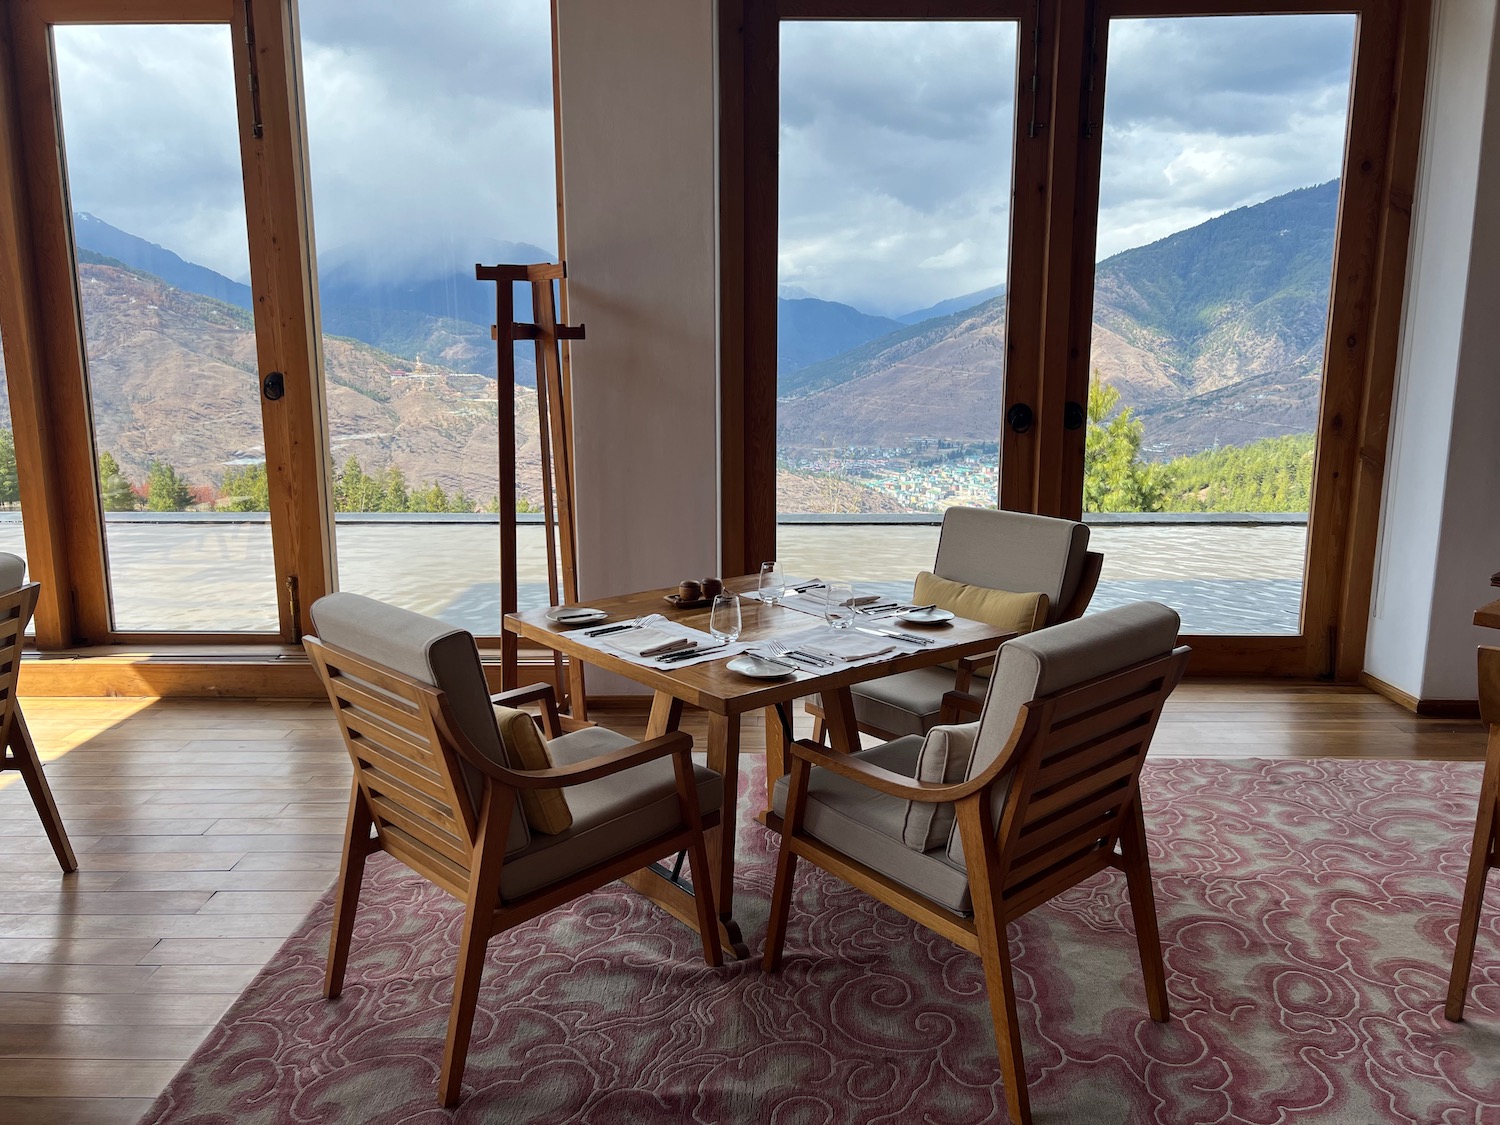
895	141
152	142
895	152
429	132
430	136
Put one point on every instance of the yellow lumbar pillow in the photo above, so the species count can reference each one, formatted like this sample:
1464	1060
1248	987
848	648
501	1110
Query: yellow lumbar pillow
1015	613
546	809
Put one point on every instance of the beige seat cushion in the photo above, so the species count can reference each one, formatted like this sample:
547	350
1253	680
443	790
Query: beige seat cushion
610	816
546	810
867	826
908	702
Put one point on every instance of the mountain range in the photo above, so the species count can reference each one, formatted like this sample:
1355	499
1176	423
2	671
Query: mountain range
1213	335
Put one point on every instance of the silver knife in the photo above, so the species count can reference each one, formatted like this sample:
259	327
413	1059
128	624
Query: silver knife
897	636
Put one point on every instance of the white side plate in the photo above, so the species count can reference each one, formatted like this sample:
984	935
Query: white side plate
925	617
759	668
575	615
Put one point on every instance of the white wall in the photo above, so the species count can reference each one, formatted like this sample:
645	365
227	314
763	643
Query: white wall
1440	531
640	197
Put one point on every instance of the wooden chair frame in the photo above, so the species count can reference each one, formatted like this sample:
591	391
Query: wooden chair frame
969	666
1484	856
1074	759
16	608
409	800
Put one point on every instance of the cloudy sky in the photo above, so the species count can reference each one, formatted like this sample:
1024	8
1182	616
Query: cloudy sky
430	134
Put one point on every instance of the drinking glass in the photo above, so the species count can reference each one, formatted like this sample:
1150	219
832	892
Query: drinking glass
837	610
724	618
772	586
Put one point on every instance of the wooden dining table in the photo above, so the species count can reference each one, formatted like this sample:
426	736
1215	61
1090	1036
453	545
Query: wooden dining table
728	696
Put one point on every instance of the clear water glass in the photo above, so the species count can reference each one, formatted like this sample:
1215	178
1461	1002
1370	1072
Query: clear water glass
772	586
724	618
837	608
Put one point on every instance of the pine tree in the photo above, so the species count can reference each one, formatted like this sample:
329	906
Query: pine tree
10	489
246	488
1115	479
115	492
166	491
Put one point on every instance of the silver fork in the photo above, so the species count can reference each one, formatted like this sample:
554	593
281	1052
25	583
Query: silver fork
620	626
777	648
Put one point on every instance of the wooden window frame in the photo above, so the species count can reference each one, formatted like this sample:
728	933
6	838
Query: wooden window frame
57	407
1049	325
43	326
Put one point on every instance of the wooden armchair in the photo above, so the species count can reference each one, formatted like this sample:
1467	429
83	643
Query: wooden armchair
1484	857
995	550
436	786
17	605
968	829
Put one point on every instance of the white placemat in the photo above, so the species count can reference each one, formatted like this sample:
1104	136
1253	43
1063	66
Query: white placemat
845	647
667	629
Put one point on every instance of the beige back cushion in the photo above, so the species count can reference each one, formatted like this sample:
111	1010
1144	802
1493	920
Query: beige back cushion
1013	551
546	809
434	653
944	760
1015	613
12	572
1059	657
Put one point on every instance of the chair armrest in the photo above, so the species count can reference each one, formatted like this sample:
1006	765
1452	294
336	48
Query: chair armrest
590	769
884	780
533	693
956	703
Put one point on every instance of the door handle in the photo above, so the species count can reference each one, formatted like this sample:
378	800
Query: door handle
1019	418
274	386
1074	416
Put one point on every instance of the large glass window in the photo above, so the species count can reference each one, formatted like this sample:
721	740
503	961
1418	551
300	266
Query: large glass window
894	227
1219	203
12	539
431	137
153	170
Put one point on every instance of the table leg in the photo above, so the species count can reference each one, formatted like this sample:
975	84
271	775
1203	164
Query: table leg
724	758
666	715
838	714
778	746
657	884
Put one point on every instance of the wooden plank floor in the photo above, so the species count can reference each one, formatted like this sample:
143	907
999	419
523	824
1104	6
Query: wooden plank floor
205	831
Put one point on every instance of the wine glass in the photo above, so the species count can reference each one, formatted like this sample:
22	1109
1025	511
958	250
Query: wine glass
838	609
724	618
772	586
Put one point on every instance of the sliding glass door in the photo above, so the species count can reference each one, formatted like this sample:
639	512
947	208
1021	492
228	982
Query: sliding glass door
162	268
896	166
1124	261
1218	212
182	397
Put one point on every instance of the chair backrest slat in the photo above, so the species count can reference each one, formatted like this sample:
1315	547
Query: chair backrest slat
409	775
394	813
1078	778
428	863
16	608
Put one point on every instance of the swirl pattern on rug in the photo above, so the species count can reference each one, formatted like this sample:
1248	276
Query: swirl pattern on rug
1307	912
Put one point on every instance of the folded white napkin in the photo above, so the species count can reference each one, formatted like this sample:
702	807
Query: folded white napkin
846	645
647	642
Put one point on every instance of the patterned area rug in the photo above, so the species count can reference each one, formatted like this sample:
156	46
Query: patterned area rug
1307	911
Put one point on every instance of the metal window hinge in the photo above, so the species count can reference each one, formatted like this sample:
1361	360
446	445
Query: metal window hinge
257	129
294	602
